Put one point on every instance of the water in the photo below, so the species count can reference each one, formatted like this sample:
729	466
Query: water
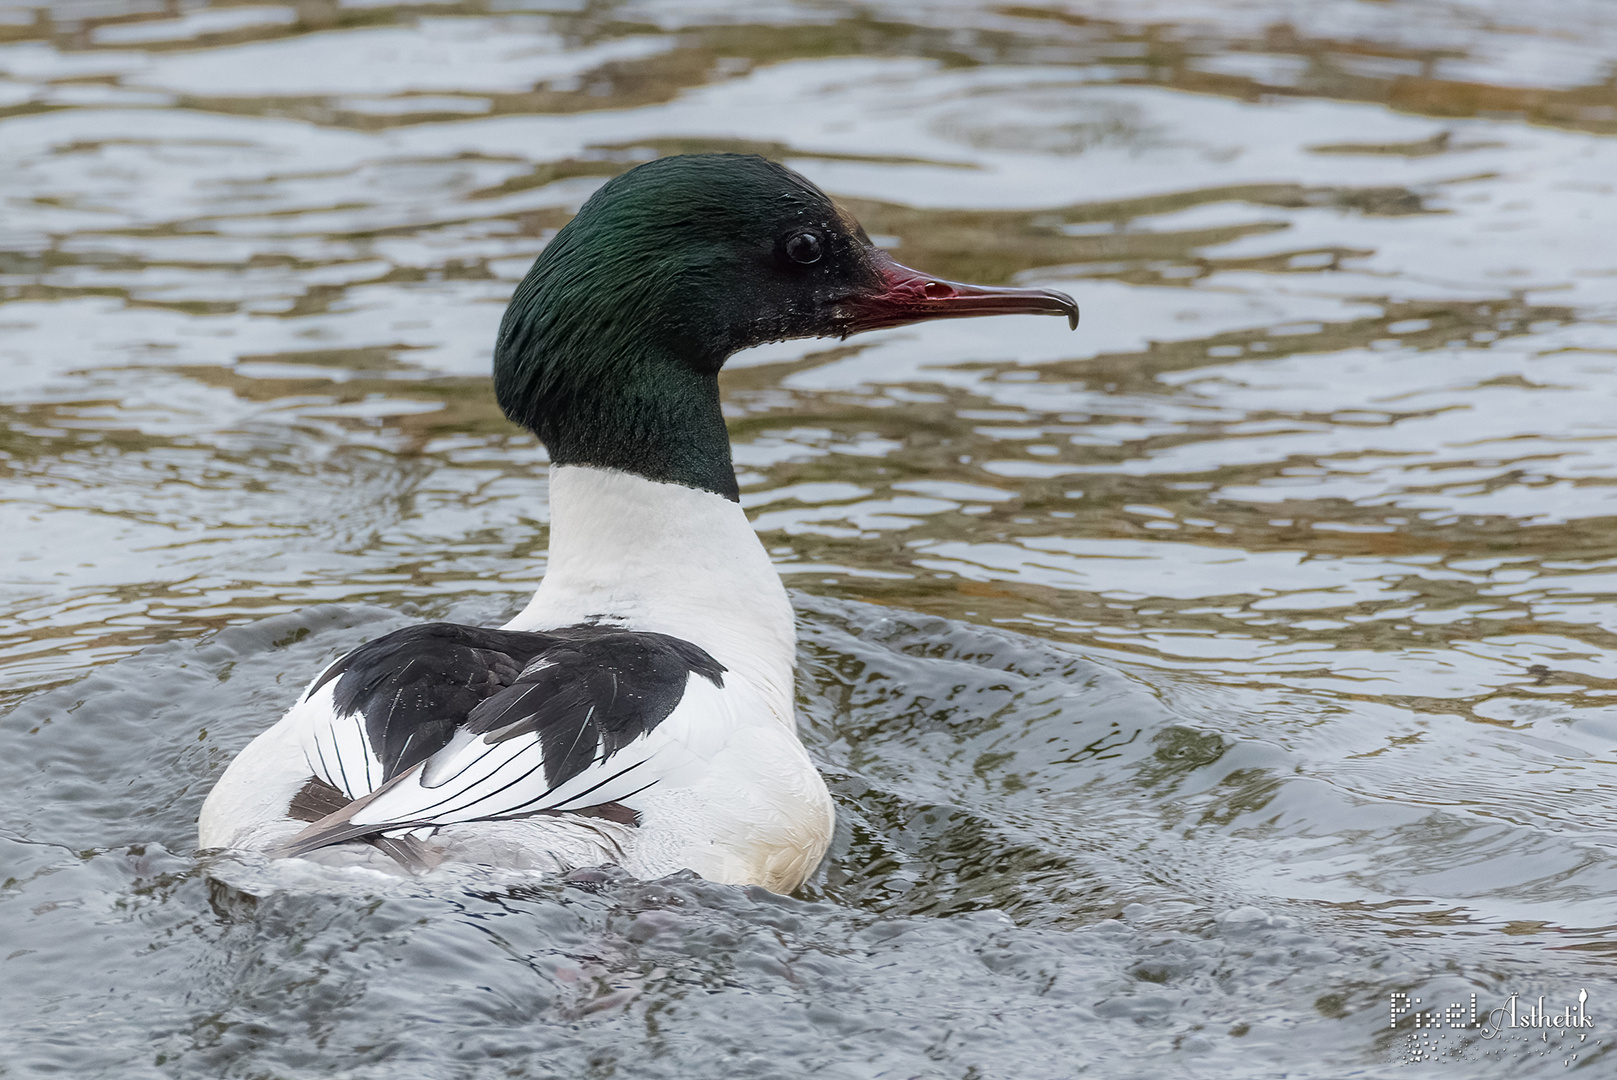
1188	685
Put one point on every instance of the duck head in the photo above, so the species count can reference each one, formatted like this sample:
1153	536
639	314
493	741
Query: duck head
611	347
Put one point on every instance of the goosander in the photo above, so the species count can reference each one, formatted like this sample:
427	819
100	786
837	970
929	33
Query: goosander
639	710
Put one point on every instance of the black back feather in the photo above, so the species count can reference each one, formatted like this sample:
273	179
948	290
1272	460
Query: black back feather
583	689
592	693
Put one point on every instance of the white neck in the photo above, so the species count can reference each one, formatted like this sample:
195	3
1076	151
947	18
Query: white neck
666	558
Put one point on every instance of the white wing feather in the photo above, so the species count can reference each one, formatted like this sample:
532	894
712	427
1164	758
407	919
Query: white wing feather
337	748
470	780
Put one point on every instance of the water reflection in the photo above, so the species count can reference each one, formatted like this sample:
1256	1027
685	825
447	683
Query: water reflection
1251	649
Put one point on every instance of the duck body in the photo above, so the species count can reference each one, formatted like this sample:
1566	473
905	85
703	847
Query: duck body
720	785
639	710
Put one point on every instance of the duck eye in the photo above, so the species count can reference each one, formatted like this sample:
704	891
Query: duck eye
804	248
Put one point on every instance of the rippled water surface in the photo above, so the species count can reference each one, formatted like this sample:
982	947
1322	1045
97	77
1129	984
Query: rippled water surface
1188	685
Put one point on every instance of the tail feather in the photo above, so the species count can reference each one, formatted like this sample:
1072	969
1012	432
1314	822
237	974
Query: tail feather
407	851
338	826
331	822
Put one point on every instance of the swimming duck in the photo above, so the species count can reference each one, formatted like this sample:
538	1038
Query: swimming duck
639	710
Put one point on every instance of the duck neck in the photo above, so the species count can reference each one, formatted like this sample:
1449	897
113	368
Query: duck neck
665	557
666	427
629	395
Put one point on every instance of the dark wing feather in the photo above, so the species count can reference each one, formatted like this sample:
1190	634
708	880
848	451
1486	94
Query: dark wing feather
583	692
416	685
591	694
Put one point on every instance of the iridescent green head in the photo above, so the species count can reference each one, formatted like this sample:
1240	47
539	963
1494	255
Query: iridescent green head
611	347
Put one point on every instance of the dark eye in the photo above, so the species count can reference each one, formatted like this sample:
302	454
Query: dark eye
803	248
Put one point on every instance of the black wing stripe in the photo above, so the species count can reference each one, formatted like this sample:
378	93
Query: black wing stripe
569	809
325	770
538	798
582	693
623	772
336	755
451	796
340	774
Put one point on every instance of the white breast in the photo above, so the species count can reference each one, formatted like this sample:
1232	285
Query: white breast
678	561
670	559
